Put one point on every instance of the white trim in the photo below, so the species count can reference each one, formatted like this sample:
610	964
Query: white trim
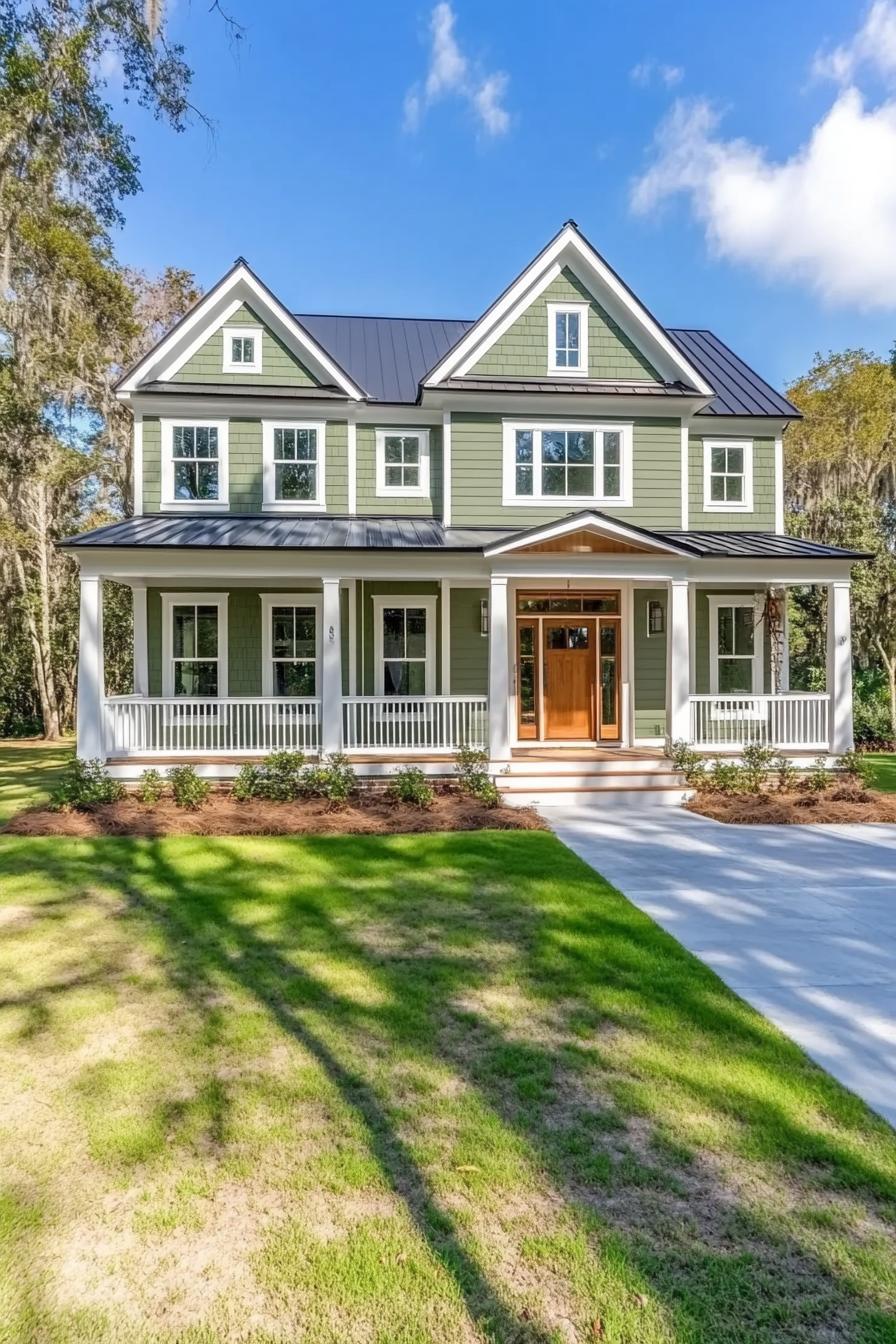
141	639
538	428
167	426
602	526
405	601
352	585
569	245
137	464
331	666
717	601
581	310
419	491
779	485
270	504
171	600
445	613
351	443
268	602
685	470
728	506
446	468
90	725
255	334
219	304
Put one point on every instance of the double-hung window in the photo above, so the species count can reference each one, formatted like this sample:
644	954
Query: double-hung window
290	643
727	475
194	640
405	645
402	463
735	646
293	469
579	463
568	339
242	350
194	464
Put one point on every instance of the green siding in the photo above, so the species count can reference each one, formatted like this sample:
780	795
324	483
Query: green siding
280	366
762	518
244	438
522	351
650	667
477	485
152	464
700	636
469	648
370	502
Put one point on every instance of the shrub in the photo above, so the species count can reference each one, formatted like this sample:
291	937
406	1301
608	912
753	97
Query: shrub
818	779
410	785
188	788
787	777
858	770
86	784
245	784
473	777
488	794
758	762
332	778
150	787
690	762
726	777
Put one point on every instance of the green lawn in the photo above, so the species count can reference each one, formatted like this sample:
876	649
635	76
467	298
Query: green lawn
884	763
28	773
445	1088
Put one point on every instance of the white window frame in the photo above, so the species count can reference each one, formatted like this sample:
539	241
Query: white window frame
168	424
169	602
268	602
405	600
540	501
716	602
726	506
581	310
228	365
385	491
269	476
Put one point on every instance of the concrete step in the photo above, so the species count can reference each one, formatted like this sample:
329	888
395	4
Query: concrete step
597	781
599	798
537	765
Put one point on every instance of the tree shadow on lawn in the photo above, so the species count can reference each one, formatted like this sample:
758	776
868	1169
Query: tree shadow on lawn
586	1032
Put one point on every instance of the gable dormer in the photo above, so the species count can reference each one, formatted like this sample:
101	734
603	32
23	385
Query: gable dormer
244	350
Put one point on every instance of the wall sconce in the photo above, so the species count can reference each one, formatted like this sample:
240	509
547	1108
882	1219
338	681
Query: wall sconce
483	616
656	618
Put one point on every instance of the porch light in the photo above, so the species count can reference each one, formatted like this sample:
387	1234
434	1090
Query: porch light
656	618
483	616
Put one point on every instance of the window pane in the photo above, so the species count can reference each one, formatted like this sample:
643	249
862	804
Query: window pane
553	480
734	489
185	480
305	633
183	441
717	489
606	603
411	450
236	350
726	630
306	444
577	637
735	460
580	480
735	675
412	476
416	632
184	632
612	448
524	445
207	632
195	678
524	480
553	445
572	331
294	679
393	632
527	690
282	632
202	442
295	480
717	459
206	480
612	481
744	630
556	637
395	678
285	444
394	476
580	447
393	449
527	640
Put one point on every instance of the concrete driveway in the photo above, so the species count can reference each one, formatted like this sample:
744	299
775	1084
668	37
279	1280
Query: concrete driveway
799	920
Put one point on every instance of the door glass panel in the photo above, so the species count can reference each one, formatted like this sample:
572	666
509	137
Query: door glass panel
609	698
556	637
577	637
528	680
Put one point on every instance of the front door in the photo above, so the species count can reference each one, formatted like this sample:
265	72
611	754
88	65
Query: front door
568	678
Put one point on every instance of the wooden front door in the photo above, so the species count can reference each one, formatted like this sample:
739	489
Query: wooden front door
570	664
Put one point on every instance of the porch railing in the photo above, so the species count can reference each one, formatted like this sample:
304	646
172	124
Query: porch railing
232	725
414	723
797	721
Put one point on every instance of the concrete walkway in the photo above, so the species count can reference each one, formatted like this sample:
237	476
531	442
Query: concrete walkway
799	920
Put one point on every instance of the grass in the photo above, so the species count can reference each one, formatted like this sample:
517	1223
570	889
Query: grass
28	773
446	1088
884	766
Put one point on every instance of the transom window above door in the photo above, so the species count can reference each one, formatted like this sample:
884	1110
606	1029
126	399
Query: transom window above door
568	339
290	643
402	463
242	350
404	645
584	464
194	465
727	475
293	466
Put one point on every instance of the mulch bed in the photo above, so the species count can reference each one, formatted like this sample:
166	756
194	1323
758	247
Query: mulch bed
796	809
370	813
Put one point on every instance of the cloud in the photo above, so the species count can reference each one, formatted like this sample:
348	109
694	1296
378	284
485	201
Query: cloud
825	217
652	71
451	74
874	45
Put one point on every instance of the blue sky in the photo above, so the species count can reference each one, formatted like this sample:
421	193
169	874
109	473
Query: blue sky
680	147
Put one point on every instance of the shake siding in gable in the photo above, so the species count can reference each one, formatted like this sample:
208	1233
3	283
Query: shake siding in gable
370	502
279	366
762	517
477	487
522	352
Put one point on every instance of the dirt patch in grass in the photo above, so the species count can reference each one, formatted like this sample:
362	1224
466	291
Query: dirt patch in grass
369	813
793	809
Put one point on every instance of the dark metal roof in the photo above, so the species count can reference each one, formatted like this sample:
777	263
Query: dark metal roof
313	392
388	356
739	389
567	386
253	532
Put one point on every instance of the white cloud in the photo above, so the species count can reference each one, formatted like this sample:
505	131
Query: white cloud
873	45
110	67
452	74
652	71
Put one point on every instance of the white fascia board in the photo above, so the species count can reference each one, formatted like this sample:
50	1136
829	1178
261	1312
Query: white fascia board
272	566
570	249
258	406
588	522
583	405
240	287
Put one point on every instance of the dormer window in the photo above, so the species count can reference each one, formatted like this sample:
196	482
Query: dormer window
568	339
242	350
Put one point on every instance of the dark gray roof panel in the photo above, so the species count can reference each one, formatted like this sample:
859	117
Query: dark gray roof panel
293	392
739	389
387	356
759	546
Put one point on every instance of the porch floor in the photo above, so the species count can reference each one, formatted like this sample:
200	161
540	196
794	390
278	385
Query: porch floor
545	752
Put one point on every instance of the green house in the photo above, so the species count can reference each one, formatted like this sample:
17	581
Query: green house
555	532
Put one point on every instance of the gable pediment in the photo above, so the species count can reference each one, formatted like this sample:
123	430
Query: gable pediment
590	533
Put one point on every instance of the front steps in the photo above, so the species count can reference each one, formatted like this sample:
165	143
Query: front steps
602	779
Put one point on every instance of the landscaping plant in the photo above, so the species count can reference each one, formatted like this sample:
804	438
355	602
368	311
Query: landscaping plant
245	784
690	762
787	777
278	778
150	787
857	767
757	763
473	777
86	784
818	779
189	789
726	777
410	785
332	778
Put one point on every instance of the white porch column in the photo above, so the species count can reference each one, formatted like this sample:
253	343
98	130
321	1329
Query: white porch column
678	663
839	669
91	678
331	669
141	639
498	671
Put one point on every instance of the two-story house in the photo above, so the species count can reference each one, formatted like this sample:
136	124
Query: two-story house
555	532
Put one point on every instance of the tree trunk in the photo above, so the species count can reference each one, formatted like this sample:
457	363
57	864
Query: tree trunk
890	665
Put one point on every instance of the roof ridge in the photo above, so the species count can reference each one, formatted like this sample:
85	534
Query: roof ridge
389	317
